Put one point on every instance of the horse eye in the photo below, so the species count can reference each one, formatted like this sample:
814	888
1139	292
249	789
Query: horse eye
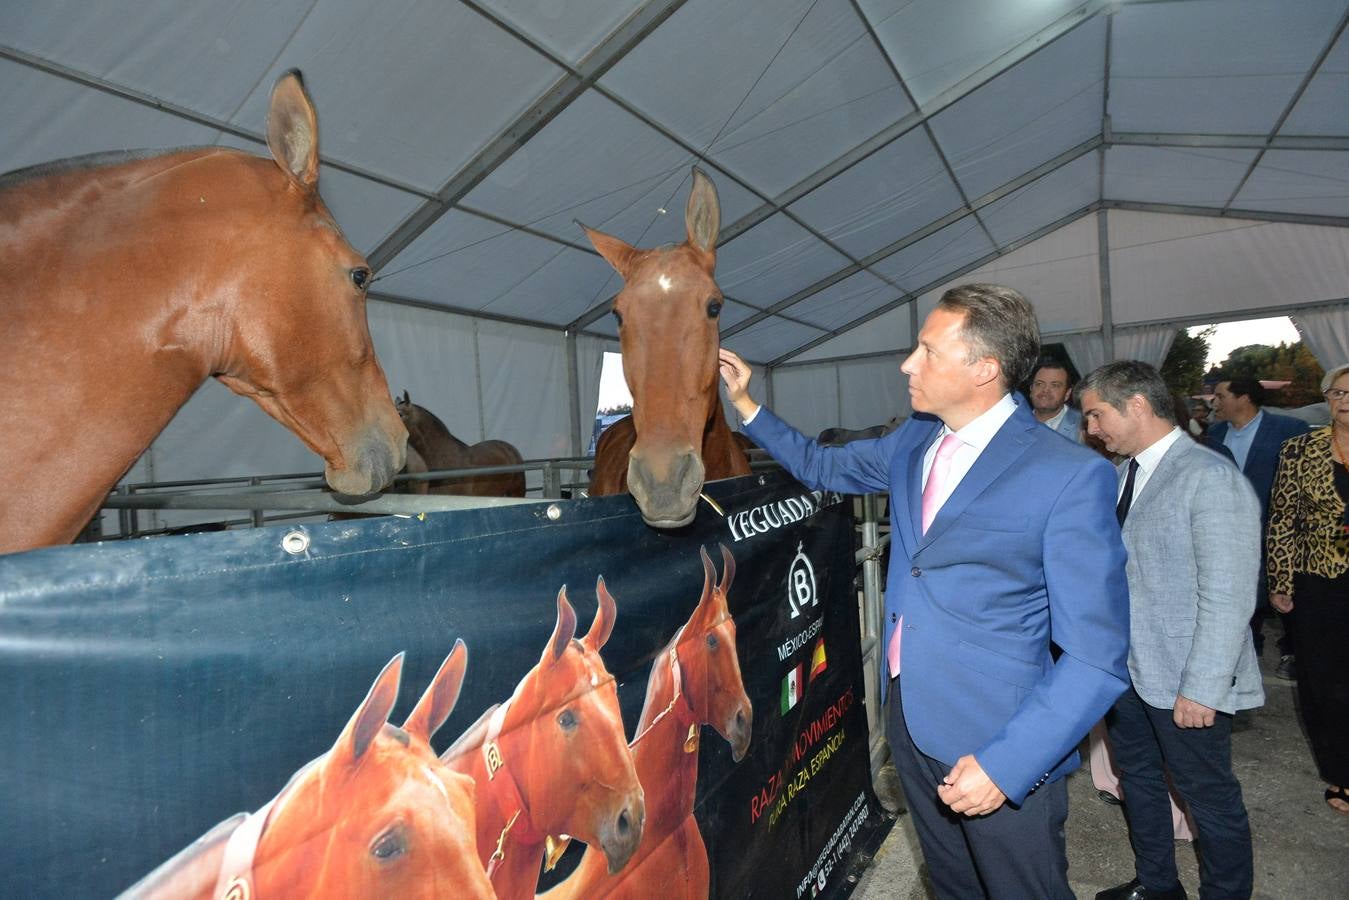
360	276
390	845
618	317
713	308
567	719
712	640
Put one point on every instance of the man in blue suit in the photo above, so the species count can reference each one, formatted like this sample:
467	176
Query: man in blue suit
1254	437
1050	389
1004	540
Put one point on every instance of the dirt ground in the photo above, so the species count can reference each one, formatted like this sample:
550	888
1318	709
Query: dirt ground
1301	846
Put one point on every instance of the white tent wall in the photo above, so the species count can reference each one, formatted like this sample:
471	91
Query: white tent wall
1326	332
1165	266
852	394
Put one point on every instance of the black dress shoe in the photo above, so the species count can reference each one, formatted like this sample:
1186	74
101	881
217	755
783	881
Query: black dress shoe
1133	890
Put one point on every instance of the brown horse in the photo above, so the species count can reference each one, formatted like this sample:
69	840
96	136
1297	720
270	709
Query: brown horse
143	274
553	760
695	681
376	816
439	449
668	313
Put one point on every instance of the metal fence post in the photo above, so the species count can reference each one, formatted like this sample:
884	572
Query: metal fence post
257	513
552	481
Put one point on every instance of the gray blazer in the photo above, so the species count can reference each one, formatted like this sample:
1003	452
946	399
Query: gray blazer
1071	426
1193	537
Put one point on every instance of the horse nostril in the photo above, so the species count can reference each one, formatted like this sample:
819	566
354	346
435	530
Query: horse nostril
624	823
739	718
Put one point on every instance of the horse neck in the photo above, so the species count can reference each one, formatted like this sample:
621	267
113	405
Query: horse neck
433	440
94	367
517	873
667	773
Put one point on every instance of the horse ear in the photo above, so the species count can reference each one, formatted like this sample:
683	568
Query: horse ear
407	401
438	702
373	712
616	252
727	571
563	631
702	218
603	626
709	573
293	130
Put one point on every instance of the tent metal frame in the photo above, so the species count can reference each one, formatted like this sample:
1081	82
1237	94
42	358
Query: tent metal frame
646	19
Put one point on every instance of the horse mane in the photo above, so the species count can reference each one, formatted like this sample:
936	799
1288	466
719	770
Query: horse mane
87	161
167	880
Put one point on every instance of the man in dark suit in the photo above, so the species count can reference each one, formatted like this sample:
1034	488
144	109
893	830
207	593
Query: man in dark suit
1004	541
1254	437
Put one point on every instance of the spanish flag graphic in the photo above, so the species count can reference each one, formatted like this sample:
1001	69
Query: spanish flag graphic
818	663
793	686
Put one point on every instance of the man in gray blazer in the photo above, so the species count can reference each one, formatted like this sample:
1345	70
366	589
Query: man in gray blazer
1050	389
1191	525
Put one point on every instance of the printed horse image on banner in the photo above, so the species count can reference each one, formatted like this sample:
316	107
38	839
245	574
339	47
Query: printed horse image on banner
695	681
376	816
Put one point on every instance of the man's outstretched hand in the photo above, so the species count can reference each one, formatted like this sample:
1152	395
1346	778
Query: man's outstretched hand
736	373
968	790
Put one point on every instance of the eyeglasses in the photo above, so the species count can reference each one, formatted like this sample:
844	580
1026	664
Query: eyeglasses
1335	395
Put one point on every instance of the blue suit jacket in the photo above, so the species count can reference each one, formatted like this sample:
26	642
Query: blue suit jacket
1263	460
1025	551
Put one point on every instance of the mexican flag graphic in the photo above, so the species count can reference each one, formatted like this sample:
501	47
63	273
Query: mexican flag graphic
792	687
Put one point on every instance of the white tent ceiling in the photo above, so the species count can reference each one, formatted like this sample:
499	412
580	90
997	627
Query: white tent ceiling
866	152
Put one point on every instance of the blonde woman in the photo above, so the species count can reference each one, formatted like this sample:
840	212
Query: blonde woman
1308	562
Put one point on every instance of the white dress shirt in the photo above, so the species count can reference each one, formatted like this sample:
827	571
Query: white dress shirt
1054	421
1147	462
974	437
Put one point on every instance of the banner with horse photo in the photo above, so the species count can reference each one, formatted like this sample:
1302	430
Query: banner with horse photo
498	702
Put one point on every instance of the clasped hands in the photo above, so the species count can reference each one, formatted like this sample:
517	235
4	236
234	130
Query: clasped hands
968	790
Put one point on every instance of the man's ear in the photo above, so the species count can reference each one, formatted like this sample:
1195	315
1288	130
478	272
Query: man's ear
986	370
1137	404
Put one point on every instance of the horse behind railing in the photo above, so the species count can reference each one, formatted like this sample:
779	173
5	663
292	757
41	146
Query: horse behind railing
837	437
145	273
553	760
439	449
376	816
694	681
668	313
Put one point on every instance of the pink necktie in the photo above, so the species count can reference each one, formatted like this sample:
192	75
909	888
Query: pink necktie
936	477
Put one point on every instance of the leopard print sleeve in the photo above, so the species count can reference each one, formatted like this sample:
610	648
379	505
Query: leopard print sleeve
1281	547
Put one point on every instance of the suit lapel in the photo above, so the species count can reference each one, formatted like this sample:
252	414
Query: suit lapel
913	479
1161	476
1007	445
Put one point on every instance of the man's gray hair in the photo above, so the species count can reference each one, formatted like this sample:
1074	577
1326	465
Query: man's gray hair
1116	382
999	323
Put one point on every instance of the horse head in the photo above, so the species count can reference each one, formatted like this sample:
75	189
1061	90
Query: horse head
711	664
298	342
573	765
668	313
378	815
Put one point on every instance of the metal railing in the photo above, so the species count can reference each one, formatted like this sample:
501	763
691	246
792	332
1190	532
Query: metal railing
271	499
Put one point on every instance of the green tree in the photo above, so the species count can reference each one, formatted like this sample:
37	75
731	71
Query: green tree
1183	368
1293	363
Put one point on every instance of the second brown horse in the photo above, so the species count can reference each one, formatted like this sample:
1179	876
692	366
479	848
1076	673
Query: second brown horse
668	313
694	681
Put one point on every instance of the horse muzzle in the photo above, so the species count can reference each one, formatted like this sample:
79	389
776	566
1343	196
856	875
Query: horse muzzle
621	835
738	730
666	495
375	460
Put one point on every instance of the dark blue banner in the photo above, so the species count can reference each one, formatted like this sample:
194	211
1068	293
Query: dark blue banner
629	707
